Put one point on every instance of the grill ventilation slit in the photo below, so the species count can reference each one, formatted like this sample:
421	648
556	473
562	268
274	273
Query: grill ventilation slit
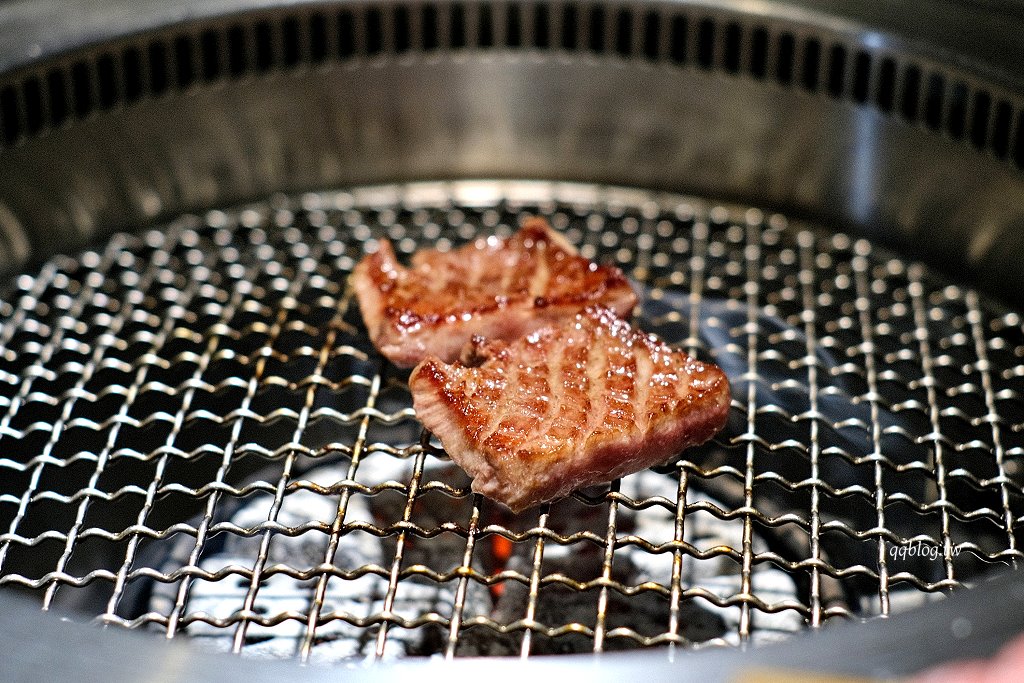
812	62
402	32
837	71
81	89
264	47
624	33
1001	129
679	33
933	101
570	27
861	77
236	51
733	46
184	67
33	98
209	47
541	26
107	81
980	118
131	66
346	34
58	93
886	95
457	37
430	30
706	43
652	35
596	29
318	48
956	121
374	31
759	52
9	114
784	65
911	93
485	26
292	49
513	26
159	71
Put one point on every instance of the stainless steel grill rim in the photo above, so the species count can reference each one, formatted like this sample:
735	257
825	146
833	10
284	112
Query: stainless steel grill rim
219	359
864	119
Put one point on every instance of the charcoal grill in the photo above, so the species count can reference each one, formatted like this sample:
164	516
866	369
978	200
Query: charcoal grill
198	440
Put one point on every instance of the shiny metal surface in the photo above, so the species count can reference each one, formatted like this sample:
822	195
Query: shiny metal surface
898	127
155	389
95	656
796	107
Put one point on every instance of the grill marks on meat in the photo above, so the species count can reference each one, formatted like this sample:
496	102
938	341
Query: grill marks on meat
498	289
554	390
580	402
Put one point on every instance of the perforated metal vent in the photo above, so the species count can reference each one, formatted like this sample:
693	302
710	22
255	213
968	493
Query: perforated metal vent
818	60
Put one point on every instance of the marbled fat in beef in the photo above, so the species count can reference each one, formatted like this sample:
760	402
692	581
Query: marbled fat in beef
583	401
498	289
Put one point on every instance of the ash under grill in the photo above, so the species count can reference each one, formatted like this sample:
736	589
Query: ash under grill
198	438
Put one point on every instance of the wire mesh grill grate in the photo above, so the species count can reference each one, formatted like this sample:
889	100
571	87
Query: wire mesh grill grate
197	438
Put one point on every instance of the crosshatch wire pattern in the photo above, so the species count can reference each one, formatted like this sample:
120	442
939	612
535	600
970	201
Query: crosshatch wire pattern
198	438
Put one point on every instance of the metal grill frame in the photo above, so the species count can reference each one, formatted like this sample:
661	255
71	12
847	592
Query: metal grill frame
710	226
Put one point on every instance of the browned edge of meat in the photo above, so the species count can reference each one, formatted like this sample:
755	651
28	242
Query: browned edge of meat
501	289
516	458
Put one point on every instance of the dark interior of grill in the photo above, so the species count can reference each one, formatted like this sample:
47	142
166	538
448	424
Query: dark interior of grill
198	439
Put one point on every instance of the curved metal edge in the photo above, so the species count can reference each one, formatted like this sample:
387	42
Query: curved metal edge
36	30
984	39
39	647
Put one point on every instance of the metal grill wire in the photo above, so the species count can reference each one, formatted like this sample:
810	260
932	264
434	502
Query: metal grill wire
152	387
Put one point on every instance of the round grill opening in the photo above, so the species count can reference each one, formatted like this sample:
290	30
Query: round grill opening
198	438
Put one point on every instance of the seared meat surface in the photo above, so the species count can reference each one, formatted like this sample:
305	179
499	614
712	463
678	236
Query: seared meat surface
579	402
498	289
